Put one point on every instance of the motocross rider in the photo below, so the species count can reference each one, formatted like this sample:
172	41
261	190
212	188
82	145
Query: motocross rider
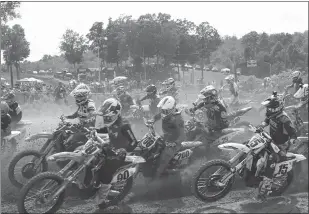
233	87
5	120
266	82
296	81
302	94
121	138
170	87
15	110
173	131
281	128
85	111
281	131
60	90
125	99
154	99
217	118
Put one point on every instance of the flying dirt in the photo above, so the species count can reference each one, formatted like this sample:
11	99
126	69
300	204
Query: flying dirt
166	196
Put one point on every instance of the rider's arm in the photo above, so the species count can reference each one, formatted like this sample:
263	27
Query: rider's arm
265	122
198	106
290	86
180	125
144	98
128	133
91	108
288	126
73	116
130	100
156	117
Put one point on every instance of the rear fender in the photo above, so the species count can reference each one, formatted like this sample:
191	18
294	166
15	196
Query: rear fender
234	146
39	136
228	135
191	144
298	157
242	111
134	159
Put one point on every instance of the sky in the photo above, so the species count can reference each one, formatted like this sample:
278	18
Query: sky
45	22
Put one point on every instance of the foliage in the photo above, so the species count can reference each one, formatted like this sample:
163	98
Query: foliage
73	46
8	10
17	47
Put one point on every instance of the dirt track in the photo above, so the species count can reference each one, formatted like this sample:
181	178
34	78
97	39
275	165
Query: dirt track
169	198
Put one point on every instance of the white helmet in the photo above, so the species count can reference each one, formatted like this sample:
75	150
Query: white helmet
81	93
229	77
295	75
167	106
170	83
302	92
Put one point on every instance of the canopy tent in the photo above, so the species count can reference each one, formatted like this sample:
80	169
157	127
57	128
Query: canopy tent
225	70
119	80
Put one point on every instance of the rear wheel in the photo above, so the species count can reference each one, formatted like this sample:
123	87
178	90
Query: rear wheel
203	184
28	169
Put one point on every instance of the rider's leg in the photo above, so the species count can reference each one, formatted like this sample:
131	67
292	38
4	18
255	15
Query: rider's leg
166	156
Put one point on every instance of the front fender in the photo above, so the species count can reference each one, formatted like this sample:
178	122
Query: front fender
234	146
62	156
39	136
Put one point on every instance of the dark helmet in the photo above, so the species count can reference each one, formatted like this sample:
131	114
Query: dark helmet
151	89
274	105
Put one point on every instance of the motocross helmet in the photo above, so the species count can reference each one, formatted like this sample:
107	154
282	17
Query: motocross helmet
295	76
110	110
302	92
151	90
120	90
274	105
4	108
210	94
229	78
167	106
170	83
81	94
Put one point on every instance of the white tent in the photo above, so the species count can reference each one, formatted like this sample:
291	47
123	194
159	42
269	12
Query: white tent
225	70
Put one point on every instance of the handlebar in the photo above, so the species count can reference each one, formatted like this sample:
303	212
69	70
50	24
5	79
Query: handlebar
260	131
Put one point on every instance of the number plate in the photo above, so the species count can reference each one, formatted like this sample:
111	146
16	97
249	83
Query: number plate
123	175
183	155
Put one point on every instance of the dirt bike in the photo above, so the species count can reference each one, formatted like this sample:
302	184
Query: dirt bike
92	155
55	143
195	125
254	162
150	148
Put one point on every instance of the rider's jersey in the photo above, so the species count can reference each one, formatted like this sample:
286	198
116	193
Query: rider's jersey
172	127
297	83
120	135
281	128
83	113
126	101
233	89
153	102
60	90
216	115
15	112
5	123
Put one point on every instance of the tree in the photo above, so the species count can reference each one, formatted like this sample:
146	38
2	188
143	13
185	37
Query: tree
8	11
208	41
73	46
46	57
18	47
250	41
97	38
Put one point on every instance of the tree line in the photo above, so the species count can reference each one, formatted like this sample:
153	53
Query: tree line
159	39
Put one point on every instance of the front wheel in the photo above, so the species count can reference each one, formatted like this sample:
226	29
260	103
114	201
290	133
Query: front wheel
44	199
201	185
29	169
